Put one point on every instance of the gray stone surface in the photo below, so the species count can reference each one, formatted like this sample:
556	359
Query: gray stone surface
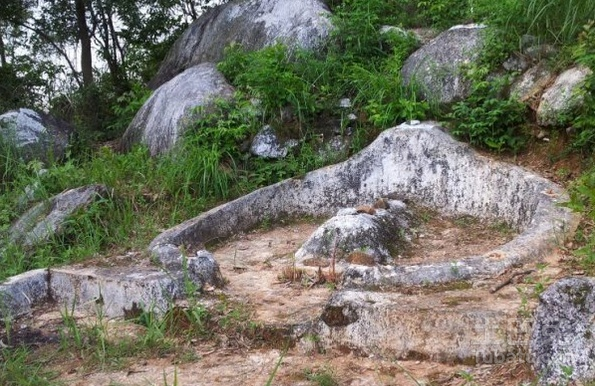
528	87
399	326
204	270
115	291
47	219
250	23
562	96
376	234
37	136
564	332
266	144
421	163
436	68
21	293
172	108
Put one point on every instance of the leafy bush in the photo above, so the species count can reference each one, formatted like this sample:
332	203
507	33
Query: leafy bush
489	119
269	75
126	107
584	121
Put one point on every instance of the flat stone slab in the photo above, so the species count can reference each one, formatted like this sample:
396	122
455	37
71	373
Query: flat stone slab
116	291
472	327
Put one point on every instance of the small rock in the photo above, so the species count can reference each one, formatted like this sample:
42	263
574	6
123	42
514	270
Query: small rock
345	103
266	144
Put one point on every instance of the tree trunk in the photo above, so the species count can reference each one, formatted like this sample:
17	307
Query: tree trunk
85	39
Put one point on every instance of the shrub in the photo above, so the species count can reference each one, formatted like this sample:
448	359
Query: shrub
487	118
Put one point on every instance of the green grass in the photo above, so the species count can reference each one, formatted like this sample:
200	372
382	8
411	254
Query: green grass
18	369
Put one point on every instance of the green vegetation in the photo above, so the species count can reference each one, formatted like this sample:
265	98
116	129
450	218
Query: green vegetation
298	92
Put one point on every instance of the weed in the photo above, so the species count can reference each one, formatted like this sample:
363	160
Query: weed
291	274
486	118
276	368
467	377
17	369
322	377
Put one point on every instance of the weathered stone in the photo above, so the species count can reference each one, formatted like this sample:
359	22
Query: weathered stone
47	219
436	68
116	291
166	115
516	62
424	326
376	232
204	270
529	86
250	23
563	339
421	163
266	144
562	97
36	136
20	293
169	256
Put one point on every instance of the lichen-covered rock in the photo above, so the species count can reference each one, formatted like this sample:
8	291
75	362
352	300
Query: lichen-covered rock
204	270
201	269
372	231
529	86
20	293
402	326
35	136
562	96
436	68
252	24
47	219
562	344
266	144
173	107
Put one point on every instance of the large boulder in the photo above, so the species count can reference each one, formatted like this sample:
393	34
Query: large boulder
562	343
436	68
34	135
366	235
47	219
530	85
250	23
562	97
173	106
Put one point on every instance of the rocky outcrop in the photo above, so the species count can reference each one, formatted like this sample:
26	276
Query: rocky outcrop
35	136
529	86
558	101
367	235
416	162
174	106
47	219
250	23
436	68
391	324
562	343
266	144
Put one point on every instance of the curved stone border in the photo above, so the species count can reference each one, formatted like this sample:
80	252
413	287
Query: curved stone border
417	162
